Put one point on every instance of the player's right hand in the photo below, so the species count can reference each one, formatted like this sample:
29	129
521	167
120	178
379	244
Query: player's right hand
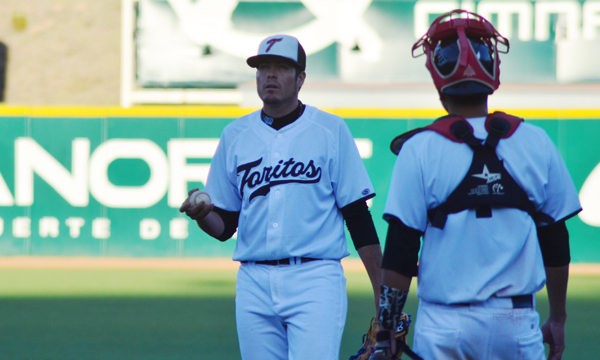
195	212
554	335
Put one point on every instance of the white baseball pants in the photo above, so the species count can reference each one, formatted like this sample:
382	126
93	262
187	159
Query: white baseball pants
291	312
492	330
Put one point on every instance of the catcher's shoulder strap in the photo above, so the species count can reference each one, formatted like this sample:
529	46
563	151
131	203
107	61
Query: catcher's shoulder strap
441	126
499	125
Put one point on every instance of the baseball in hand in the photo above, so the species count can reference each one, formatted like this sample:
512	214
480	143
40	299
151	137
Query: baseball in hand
198	197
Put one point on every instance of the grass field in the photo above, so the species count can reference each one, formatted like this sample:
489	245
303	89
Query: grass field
162	314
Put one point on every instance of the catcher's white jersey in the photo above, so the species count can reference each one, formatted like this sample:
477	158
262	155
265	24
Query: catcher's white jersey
473	258
288	185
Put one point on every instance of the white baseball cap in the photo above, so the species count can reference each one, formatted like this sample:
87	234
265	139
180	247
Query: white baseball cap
282	46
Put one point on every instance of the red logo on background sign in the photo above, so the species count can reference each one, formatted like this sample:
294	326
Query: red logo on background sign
272	42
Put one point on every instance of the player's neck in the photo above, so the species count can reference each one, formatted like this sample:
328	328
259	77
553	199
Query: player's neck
280	109
467	111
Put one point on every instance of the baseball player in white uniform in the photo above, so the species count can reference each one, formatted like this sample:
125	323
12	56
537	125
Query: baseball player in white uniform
286	177
489	194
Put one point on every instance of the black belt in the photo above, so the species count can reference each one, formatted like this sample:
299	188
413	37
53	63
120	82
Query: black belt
285	261
518	302
522	301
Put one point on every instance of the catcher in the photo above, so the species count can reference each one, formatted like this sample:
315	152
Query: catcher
489	195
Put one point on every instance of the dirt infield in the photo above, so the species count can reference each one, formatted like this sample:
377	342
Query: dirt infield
40	262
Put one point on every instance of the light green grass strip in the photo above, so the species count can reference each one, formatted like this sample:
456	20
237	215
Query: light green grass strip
44	283
16	283
236	111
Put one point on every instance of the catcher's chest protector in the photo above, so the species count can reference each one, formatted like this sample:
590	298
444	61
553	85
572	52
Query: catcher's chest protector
487	184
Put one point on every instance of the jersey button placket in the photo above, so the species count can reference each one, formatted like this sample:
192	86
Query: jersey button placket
276	205
275	218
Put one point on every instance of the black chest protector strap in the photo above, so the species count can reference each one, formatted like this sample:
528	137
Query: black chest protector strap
487	184
499	125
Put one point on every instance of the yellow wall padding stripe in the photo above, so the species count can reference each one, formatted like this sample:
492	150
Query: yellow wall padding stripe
235	112
552	114
136	111
388	113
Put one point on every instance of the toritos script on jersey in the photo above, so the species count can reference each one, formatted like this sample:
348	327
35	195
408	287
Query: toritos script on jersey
295	169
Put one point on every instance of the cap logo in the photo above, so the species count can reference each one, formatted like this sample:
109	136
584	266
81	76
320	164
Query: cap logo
272	42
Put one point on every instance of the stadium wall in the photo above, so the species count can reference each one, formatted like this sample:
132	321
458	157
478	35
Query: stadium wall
109	181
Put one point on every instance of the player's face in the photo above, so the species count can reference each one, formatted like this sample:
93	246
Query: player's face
277	82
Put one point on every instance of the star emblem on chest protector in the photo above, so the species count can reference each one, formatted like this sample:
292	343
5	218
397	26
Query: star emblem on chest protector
487	175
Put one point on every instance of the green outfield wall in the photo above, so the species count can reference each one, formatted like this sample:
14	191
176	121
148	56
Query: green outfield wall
109	181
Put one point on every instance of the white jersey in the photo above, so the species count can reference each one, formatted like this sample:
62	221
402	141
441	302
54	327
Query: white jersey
289	185
472	258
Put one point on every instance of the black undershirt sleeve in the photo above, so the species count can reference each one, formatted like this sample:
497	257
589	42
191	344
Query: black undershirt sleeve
554	243
360	224
230	219
402	244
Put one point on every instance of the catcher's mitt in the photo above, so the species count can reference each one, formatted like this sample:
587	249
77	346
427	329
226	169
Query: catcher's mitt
367	351
369	340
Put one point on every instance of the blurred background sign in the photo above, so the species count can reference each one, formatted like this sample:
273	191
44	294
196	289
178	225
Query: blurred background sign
180	44
110	184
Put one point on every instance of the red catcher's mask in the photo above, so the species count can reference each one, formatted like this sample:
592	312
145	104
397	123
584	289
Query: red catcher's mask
469	75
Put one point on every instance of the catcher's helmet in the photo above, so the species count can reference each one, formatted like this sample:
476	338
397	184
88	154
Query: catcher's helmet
462	54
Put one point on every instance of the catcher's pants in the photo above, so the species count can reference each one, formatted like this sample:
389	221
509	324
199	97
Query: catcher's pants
492	330
294	312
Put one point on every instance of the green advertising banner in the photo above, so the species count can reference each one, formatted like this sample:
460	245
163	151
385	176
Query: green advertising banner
109	182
